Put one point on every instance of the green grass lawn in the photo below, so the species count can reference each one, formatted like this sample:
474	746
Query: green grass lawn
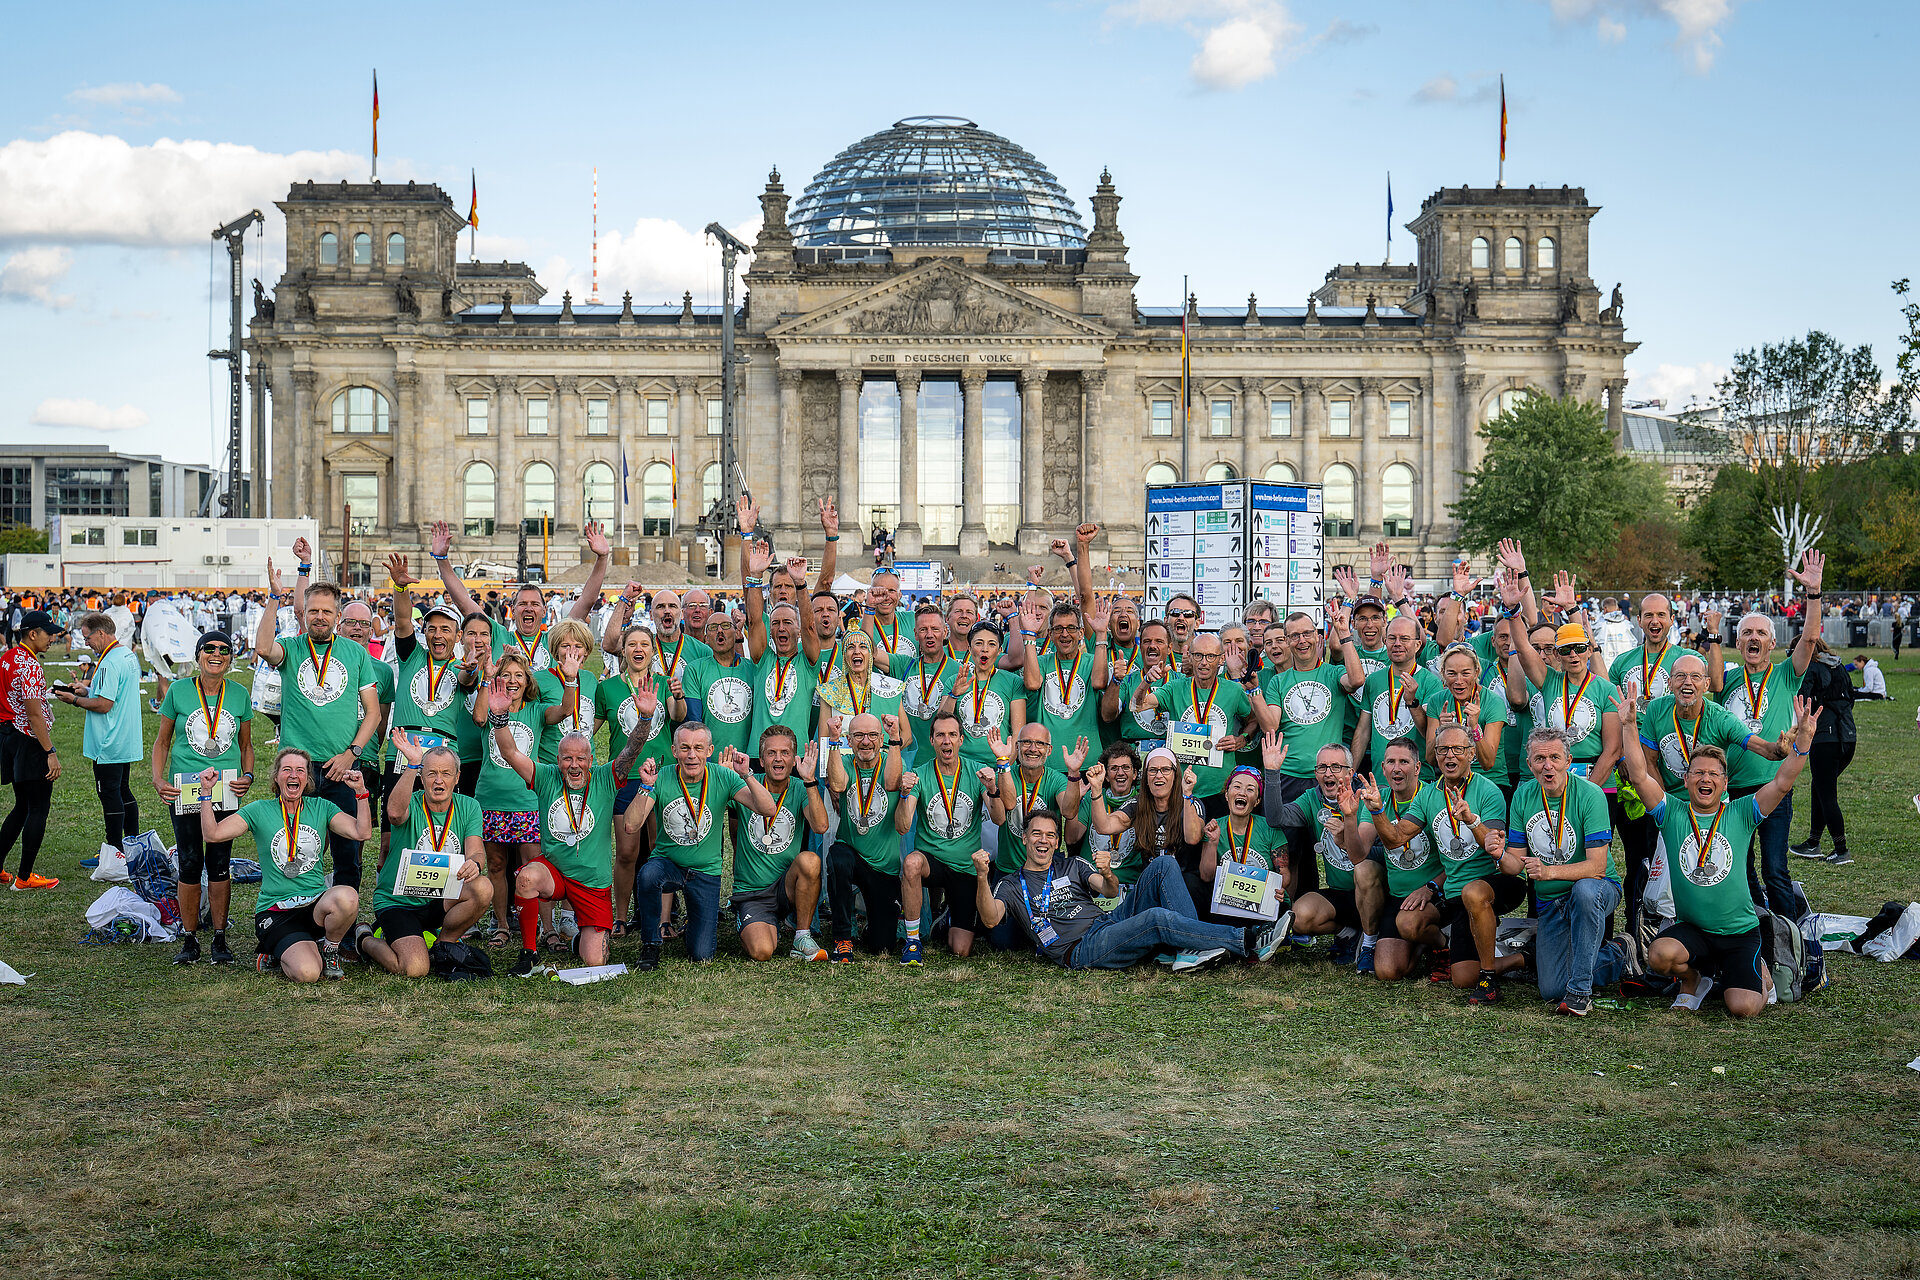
985	1117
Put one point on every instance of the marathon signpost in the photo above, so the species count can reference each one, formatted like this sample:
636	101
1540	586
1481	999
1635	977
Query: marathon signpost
1229	544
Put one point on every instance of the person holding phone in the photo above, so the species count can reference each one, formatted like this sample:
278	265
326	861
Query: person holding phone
111	734
29	762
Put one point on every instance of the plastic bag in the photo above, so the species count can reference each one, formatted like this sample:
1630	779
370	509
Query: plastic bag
1902	934
111	867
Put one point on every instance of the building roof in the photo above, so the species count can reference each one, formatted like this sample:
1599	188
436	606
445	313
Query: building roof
1278	317
1655	435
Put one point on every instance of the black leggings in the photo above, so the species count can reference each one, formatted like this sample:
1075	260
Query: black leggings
1637	836
115	785
1828	760
881	889
32	799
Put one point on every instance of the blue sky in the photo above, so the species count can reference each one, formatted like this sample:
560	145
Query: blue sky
1740	150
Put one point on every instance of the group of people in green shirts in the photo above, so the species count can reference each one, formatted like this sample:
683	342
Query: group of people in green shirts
1081	781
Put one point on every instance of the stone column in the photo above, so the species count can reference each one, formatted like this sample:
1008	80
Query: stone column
406	445
255	507
285	429
973	447
1033	536
509	497
1455	462
848	498
1617	409
909	538
1093	384
1251	421
791	431
1430	416
306	446
686	505
565	425
626	425
1368	513
1310	420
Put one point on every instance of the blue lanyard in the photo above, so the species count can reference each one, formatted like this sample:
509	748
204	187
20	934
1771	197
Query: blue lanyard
1040	917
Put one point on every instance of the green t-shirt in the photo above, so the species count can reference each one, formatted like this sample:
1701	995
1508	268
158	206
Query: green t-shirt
764	850
925	685
427	696
1709	891
882	696
1513	739
1560	835
985	709
553	693
783	690
499	789
289	877
1227	709
320	694
470	735
866	816
678	656
1662	734
206	731
1312	713
687	817
725	695
1393	715
1067	704
537	656
1126	861
1440	706
1774	717
1459	852
893	635
576	827
948	834
1251	840
1336	865
1147	724
373	759
613	701
1579	711
1415	862
1013	832
1638	663
418	832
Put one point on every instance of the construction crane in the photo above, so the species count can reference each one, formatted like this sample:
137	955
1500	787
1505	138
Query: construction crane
234	233
730	250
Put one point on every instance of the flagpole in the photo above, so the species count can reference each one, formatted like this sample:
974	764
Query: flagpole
1501	180
1389	261
376	124
1186	394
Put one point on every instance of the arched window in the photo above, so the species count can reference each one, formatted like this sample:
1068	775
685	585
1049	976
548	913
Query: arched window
1515	255
1221	472
362	249
476	490
1480	250
1162	473
396	250
709	487
1506	400
1281	473
1545	254
1396	501
656	500
1337	496
536	497
329	249
596	487
361	411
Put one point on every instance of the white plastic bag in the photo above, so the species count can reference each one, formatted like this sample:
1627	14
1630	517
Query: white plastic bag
121	901
113	865
1658	897
1833	933
1893	944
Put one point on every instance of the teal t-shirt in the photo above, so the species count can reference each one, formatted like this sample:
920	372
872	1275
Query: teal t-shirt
427	696
1459	851
687	816
1673	739
1067	704
1027	798
1559	834
866	816
1126	861
1774	716
206	729
678	656
443	833
533	648
1578	708
725	695
553	693
499	789
1312	713
783	690
1416	862
613	702
289	876
985	708
1650	668
1225	710
946	823
320	693
1705	856
1447	709
1146	724
1393	713
1250	839
925	685
113	737
576	827
1336	865
373	759
765	849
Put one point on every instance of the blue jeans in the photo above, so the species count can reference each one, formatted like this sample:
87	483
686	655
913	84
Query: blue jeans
1567	953
660	874
1772	838
1157	916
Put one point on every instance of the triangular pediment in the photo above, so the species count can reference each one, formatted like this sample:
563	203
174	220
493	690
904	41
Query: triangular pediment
940	300
357	453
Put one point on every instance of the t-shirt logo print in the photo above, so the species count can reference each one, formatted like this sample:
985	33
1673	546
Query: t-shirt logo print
319	694
923	709
730	700
1308	703
224	730
1719	861
1540	839
1390	726
676	822
560	821
1076	694
301	860
1330	848
1549	711
630	719
992	709
777	701
1414	853
522	738
775	837
957	821
875	812
1738	704
449	689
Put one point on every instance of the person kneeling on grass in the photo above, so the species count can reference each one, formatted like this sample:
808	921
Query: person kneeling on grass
1051	900
1327	813
1716	936
1409	915
433	820
298	920
773	873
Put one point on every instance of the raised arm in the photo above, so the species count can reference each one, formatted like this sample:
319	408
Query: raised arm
498	702
1780	786
456	590
357	825
266	642
1633	760
596	540
991	910
829	558
1033	620
402	578
755	557
1812	569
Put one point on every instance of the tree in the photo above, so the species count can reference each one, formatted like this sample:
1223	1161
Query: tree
22	540
1552	479
1892	542
1728	528
1647	555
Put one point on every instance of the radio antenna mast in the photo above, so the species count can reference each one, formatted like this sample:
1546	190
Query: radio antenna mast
594	296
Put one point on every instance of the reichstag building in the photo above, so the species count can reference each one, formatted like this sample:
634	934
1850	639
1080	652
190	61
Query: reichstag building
933	333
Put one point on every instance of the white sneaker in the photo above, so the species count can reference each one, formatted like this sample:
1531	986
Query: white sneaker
1187	961
1691	1003
805	948
1268	940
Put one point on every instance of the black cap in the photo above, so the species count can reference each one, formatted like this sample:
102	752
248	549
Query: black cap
1369	602
41	620
212	637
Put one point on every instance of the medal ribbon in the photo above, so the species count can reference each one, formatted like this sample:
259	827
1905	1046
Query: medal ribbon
671	667
1029	796
528	649
1559	819
780	672
1646	670
1687	748
438	838
853	696
1202	715
1064	677
290	822
928	686
950	799
572	719
573	819
699	811
1705	846
1394	696
979	697
781	803
863	795
1243	847
1568	704
435	677
319	664
212	713
881	628
1753	697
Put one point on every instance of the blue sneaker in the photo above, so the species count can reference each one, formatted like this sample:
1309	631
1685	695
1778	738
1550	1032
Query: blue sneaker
910	952
1344	948
1364	964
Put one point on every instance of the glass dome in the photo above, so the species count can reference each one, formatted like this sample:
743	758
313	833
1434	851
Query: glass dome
936	180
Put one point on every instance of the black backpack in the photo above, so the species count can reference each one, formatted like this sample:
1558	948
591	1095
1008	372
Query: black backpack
459	962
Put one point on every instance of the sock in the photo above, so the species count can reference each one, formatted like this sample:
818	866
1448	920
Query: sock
1486	975
191	935
803	940
529	909
913	929
329	946
1369	939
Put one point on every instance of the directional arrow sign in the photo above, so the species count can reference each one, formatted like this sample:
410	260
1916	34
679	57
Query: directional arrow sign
1233	519
1153	524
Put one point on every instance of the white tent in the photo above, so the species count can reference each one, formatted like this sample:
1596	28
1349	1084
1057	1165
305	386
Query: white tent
846	584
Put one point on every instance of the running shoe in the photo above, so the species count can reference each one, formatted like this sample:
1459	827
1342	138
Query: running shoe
1575	1006
1485	991
350	947
649	957
1839	858
842	952
1263	945
219	953
34	881
189	952
805	948
523	967
1811	849
1344	948
330	966
910	952
6	877
265	963
1191	961
153	705
1364	962
1439	964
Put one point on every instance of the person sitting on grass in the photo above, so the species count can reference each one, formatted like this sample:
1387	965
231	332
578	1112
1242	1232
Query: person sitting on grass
1051	901
1715	937
298	920
774	873
434	819
1408	917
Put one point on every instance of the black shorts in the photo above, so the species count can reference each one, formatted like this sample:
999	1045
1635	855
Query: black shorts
275	931
1346	912
962	913
469	777
195	855
395	923
1730	959
764	906
387	782
1508	893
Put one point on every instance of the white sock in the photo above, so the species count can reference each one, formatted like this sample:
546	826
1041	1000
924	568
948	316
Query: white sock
803	940
1369	939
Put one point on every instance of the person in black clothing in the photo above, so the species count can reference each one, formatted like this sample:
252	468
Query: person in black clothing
1828	685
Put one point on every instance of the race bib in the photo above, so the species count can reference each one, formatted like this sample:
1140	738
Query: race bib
1194	743
423	873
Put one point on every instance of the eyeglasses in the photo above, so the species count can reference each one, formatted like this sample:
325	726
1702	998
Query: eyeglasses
1182	613
1457	749
1159	768
215	648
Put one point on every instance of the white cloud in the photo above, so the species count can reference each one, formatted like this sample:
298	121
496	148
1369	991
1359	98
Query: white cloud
1446	89
1442	88
124	94
1678	385
30	274
658	259
1240	40
88	188
88	415
1696	23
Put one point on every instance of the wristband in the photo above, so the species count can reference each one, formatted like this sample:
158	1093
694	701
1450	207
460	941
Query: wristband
305	568
1101	643
1029	634
1376	812
1796	750
247	776
363	795
1074	776
893	742
1812	595
1073	562
431	555
1007	765
645	789
833	537
1520	574
497	720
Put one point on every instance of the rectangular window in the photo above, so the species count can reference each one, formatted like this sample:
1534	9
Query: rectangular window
88	538
139	537
155	477
16	496
1220	421
537	416
1162	418
713	416
1340	417
362	494
87	491
1280	418
476	417
596	417
1399	417
658	423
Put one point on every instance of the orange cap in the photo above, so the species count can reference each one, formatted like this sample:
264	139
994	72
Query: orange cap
1572	633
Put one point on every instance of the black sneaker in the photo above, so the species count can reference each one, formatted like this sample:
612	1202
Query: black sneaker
1486	991
189	952
218	953
649	957
1575	1006
1811	849
523	967
1839	858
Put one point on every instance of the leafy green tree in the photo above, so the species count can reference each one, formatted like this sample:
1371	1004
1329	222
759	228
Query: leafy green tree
22	540
1553	479
1728	529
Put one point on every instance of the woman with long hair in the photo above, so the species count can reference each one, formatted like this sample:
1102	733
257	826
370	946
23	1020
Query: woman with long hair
510	813
1164	818
637	700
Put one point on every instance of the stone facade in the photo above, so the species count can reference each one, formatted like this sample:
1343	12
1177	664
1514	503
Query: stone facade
1375	386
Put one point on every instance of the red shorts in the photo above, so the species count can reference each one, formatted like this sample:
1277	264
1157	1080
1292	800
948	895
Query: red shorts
592	908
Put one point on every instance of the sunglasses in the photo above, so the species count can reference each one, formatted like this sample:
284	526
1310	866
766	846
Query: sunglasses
1569	650
215	648
1182	613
